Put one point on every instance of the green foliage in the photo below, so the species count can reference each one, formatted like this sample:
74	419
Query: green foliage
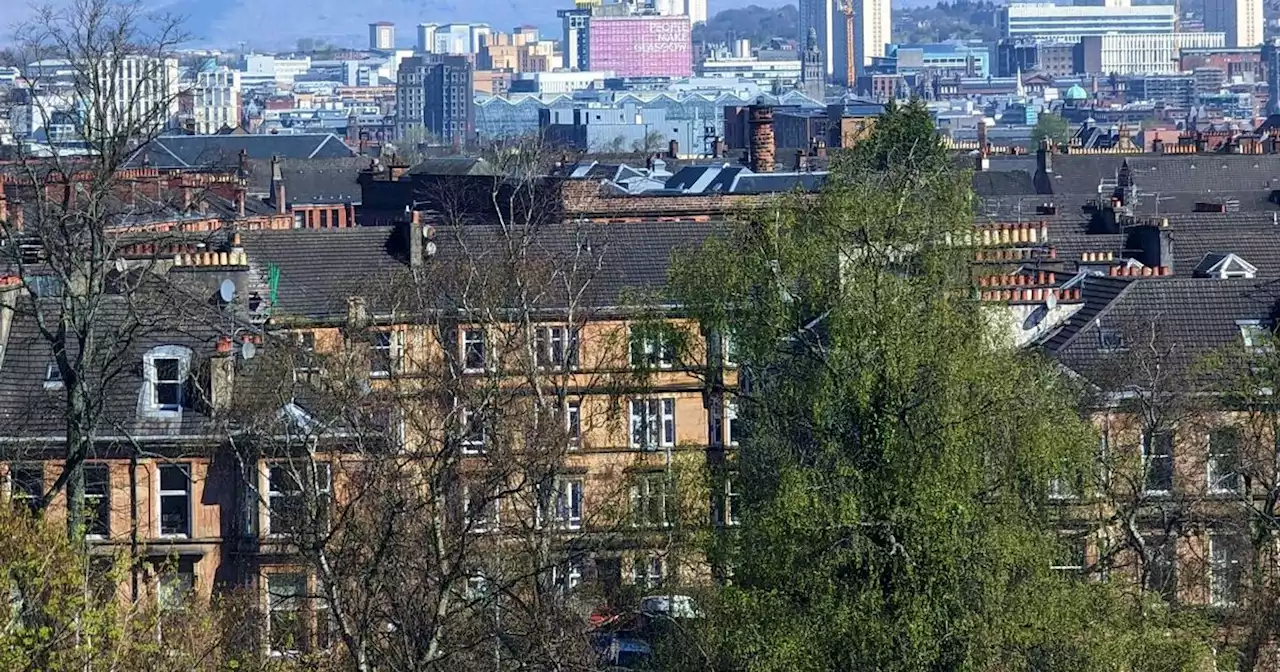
895	474
962	20
1053	127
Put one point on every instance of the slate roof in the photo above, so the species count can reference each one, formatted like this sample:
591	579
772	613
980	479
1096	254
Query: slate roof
311	181
1205	173
320	269
223	151
453	165
1189	319
29	409
704	179
777	183
1003	183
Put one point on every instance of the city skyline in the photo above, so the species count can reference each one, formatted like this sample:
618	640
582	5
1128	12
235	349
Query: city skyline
227	25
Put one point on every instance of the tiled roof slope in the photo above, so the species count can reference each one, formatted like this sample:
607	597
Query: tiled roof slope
327	181
613	265
1182	319
28	409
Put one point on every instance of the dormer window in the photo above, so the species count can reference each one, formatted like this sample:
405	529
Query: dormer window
1224	266
1110	340
1256	334
52	377
166	369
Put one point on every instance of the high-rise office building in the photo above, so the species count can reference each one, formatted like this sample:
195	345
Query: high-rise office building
1271	65
1068	22
382	36
427	38
1241	20
872	29
697	11
573	38
819	16
435	101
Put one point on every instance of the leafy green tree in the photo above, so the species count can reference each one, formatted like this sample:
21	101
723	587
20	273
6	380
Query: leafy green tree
894	476
1053	127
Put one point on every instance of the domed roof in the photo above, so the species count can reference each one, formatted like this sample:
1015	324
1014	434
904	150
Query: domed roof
1077	92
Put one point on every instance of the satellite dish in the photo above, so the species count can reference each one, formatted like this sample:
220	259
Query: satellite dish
121	265
1035	318
430	248
248	350
227	290
1051	301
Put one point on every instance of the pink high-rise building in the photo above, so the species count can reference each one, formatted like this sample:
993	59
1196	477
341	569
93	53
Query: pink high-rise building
640	46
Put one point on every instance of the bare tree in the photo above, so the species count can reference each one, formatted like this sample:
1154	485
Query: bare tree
111	87
440	485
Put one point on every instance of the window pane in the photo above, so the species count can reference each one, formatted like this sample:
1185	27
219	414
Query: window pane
174	477
97	500
167	370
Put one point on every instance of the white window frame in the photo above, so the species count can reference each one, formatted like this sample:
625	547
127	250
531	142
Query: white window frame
392	348
1216	565
1084	556
648	571
730	421
568	491
650	350
53	377
567	576
14	495
547	338
643	493
185	468
298	608
1256	335
1146	439
573	422
484	524
470	444
466	339
150	392
90	504
1212	477
655	418
324	478
727	506
728	351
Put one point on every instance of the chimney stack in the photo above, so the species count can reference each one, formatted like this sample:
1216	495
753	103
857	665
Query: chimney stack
357	313
760	118
802	161
222	372
1044	157
277	186
415	240
240	202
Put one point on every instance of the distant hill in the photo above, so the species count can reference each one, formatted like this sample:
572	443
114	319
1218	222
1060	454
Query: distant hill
752	22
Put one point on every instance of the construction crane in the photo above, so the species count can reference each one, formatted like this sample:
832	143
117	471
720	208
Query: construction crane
850	72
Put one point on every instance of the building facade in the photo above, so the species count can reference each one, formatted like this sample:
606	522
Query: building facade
1071	22
435	100
640	46
1241	20
427	37
1138	54
216	100
382	36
